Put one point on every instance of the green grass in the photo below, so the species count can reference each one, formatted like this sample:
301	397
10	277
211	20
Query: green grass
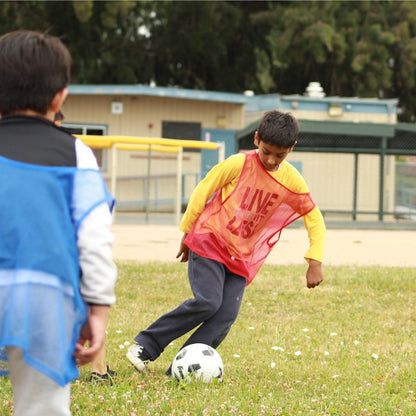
345	348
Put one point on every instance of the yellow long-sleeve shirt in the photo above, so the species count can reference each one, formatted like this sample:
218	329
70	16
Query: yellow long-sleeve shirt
225	176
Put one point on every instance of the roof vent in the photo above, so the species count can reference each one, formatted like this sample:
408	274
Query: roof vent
314	90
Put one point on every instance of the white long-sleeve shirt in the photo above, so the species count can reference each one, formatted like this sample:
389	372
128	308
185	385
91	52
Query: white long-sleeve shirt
95	244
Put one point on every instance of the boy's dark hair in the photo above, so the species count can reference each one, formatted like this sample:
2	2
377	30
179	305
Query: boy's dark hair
278	128
33	67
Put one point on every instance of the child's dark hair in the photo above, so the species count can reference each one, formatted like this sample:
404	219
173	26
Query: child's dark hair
278	128
33	67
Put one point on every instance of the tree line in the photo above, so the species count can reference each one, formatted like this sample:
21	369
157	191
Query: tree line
353	48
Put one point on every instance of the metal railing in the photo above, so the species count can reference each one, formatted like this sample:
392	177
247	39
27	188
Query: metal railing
150	144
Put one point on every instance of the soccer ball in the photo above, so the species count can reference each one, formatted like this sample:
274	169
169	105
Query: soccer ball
197	362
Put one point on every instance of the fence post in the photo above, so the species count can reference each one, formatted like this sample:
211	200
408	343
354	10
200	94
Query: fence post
383	147
149	171
113	179
354	203
221	151
178	205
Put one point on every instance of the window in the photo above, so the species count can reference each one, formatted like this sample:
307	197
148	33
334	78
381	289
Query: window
97	130
182	131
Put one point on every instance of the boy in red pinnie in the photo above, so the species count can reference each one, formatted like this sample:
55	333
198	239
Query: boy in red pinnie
226	240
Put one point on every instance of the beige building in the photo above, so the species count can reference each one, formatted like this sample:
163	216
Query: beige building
144	111
343	174
137	110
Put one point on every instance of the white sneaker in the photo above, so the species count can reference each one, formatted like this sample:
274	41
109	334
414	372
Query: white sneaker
138	356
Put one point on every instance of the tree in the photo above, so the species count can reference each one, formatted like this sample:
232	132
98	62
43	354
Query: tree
310	41
364	49
353	48
403	59
104	37
206	44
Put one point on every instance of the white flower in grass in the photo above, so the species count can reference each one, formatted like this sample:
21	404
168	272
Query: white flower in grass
275	348
251	327
333	334
119	331
336	376
121	346
297	353
273	364
236	356
374	355
326	353
126	343
356	342
305	329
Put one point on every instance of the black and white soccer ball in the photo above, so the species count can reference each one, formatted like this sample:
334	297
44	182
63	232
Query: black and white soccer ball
198	362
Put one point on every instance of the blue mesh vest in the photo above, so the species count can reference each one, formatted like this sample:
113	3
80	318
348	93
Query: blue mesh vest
41	309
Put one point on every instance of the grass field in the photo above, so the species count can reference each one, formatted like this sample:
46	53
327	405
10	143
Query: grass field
345	348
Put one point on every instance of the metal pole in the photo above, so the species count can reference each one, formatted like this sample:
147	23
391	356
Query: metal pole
147	208
113	178
381	188
179	169
221	151
354	203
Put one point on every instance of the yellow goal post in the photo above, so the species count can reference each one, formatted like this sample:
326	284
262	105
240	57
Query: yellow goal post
157	144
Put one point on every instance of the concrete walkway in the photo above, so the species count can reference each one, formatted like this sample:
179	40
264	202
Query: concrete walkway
343	247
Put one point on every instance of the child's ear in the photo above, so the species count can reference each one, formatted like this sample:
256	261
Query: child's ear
256	139
291	149
57	102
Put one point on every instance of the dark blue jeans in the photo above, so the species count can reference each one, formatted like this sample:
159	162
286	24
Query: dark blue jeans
217	299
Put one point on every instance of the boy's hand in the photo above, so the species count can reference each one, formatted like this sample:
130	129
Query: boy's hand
183	252
314	274
93	334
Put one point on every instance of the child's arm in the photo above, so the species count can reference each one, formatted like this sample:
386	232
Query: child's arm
222	176
314	223
315	226
95	244
93	333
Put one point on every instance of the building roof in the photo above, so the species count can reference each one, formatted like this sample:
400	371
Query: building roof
345	136
167	92
330	127
253	103
300	102
349	104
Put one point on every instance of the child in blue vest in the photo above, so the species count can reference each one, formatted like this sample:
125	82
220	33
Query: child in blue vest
228	237
55	222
